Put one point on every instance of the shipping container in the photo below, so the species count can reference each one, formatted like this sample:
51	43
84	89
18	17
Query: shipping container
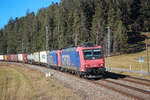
52	58
20	57
8	58
1	57
43	57
36	57
11	57
30	58
14	57
5	57
25	58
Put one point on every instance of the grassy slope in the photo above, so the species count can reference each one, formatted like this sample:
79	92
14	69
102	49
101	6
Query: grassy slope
19	83
124	61
127	60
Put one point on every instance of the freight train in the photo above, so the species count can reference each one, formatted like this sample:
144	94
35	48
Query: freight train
81	60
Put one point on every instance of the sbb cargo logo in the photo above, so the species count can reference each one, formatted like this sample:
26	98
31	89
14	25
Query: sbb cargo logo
65	60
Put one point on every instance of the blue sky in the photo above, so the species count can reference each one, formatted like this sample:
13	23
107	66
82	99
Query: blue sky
18	8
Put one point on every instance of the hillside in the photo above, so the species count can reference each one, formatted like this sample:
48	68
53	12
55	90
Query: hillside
74	22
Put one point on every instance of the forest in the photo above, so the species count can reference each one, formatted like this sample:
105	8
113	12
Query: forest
75	22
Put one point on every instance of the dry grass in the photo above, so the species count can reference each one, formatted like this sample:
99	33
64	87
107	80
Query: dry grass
19	83
127	60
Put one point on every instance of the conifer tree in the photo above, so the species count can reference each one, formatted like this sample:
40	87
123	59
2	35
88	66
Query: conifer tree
74	22
98	25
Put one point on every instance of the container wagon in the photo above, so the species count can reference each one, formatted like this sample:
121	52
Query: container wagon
24	58
36	57
1	57
5	58
30	59
43	57
14	57
20	57
8	57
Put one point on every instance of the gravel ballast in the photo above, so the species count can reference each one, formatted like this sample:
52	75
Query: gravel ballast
86	90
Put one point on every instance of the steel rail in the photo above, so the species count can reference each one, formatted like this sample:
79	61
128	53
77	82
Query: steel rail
137	82
130	87
146	80
119	91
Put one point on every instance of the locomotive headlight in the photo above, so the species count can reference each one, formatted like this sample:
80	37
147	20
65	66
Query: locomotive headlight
101	65
87	65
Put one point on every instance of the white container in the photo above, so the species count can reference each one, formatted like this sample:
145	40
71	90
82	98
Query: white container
20	57
30	57
43	57
1	57
36	57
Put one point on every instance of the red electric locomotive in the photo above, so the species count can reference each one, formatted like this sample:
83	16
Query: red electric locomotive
87	61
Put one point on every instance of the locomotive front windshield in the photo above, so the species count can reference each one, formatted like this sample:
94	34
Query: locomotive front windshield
92	54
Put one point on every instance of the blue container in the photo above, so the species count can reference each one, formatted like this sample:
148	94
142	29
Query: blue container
52	58
70	59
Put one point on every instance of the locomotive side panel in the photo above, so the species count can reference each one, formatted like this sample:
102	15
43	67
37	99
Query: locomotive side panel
70	60
52	58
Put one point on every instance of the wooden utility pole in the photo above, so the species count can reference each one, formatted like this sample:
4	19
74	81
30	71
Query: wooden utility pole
47	38
108	48
147	56
22	46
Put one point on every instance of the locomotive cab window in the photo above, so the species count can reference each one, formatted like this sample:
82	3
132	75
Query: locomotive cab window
92	54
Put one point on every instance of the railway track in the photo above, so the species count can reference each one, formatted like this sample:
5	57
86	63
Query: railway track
123	92
102	83
140	79
135	81
119	91
130	87
126	78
